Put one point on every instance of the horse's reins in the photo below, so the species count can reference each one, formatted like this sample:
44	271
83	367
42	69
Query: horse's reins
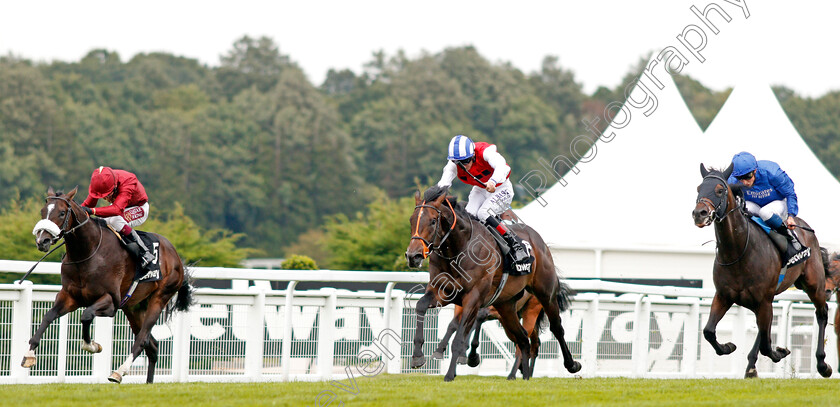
61	236
719	218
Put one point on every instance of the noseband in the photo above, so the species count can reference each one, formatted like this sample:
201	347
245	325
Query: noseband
428	246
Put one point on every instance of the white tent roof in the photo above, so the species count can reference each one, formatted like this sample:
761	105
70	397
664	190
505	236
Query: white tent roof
640	188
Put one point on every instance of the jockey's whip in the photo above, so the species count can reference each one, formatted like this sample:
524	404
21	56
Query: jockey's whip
805	228
36	263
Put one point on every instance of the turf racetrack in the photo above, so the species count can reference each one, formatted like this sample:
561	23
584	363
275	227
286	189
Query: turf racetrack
422	390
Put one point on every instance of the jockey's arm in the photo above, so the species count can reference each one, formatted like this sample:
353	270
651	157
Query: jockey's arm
450	171
500	167
90	201
116	208
782	183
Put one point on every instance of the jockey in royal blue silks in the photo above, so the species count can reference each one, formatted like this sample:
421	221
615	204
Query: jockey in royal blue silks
769	195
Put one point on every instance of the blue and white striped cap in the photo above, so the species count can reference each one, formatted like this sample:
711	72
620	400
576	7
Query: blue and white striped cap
461	148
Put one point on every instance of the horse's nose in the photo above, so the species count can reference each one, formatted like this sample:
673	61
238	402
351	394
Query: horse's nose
702	213
414	259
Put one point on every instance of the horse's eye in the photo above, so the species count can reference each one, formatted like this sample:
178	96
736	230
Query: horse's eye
61	214
434	221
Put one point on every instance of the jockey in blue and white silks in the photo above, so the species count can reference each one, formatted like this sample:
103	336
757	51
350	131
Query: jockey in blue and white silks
480	165
768	192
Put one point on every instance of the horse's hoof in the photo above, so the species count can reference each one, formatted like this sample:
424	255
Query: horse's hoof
448	378
511	377
115	378
751	373
473	360
728	348
437	355
417	362
28	361
574	368
462	360
824	369
93	347
783	351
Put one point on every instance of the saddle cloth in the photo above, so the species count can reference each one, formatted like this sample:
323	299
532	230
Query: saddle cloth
151	241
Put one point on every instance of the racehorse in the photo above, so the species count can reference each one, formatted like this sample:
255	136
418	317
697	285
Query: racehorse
528	308
466	269
747	269
96	273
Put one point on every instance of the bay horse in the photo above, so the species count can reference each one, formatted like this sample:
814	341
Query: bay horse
466	269
528	308
96	273
747	269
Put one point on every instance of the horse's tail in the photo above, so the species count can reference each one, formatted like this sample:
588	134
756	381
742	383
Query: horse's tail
184	298
564	295
540	325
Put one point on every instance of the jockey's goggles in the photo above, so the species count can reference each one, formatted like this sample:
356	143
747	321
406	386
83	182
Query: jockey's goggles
745	176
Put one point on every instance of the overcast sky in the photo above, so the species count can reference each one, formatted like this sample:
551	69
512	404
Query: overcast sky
780	43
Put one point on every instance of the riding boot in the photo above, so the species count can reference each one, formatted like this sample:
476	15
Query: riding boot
793	253
517	251
140	250
520	255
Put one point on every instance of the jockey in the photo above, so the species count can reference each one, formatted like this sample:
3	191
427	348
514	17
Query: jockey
129	207
480	165
768	193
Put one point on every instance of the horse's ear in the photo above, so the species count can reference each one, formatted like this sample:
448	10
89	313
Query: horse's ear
50	191
417	197
728	171
439	200
703	170
72	193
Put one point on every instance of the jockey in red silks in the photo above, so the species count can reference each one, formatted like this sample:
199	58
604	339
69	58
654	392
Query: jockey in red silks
129	207
480	165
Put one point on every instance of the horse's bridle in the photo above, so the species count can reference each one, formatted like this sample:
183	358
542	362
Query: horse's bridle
717	217
428	246
64	231
719	213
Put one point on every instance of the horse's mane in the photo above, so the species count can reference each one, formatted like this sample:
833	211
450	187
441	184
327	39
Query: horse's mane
460	207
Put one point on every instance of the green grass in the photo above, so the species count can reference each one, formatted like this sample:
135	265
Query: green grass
422	390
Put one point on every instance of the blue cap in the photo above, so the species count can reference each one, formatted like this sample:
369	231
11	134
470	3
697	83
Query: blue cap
743	163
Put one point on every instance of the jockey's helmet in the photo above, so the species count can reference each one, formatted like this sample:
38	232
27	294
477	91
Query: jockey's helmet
743	163
102	182
461	148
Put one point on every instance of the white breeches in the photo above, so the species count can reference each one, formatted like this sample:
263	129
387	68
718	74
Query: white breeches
767	211
483	204
133	216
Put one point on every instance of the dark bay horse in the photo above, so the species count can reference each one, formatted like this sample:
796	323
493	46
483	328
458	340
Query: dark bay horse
528	308
466	268
747	268
96	272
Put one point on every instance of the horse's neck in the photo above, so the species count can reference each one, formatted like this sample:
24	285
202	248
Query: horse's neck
84	239
731	233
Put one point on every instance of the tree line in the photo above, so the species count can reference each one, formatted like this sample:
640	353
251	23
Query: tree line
253	148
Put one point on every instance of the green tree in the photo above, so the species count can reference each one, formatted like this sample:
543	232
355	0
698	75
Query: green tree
205	247
371	240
